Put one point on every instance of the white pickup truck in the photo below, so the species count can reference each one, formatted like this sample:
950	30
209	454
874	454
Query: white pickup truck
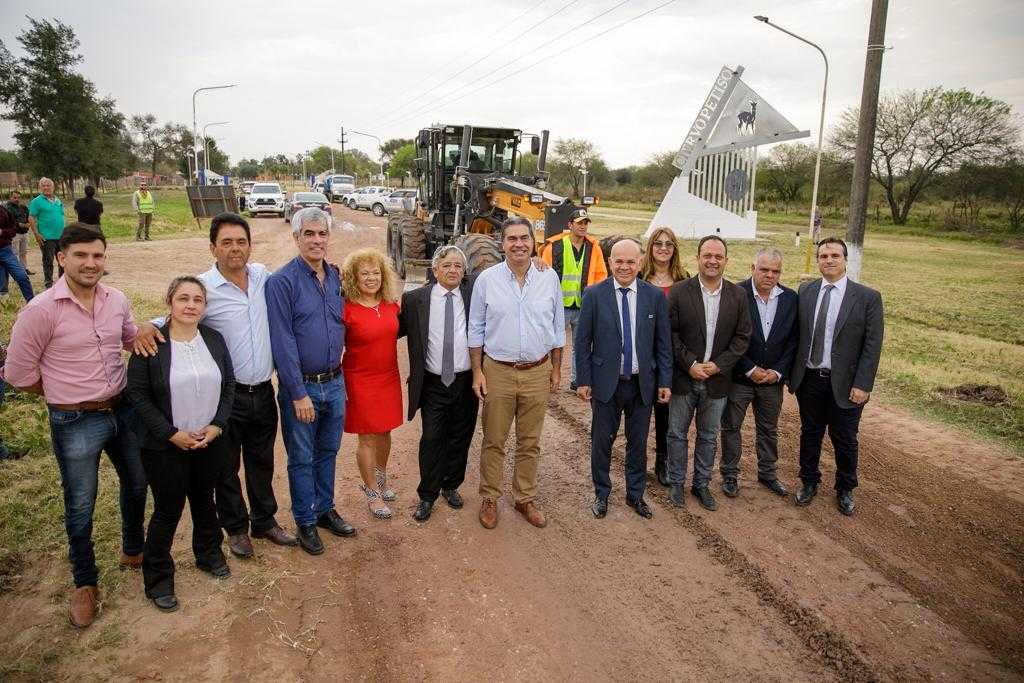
265	198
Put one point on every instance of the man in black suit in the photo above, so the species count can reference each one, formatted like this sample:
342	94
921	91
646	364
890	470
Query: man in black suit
759	375
841	329
433	318
710	333
623	363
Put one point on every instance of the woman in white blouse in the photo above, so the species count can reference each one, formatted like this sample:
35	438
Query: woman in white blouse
183	397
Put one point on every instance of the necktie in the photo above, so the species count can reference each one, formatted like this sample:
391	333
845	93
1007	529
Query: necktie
627	335
448	345
818	340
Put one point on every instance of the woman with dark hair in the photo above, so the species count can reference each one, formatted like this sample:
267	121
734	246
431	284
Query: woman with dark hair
183	396
663	267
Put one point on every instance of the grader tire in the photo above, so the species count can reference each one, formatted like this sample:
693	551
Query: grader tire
413	240
481	252
392	239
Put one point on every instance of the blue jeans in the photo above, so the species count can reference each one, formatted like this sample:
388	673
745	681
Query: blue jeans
78	438
10	265
681	410
313	449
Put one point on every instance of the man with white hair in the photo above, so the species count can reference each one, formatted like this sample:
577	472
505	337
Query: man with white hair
759	374
307	338
46	221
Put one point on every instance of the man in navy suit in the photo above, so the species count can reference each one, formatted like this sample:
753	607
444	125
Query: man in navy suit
759	374
623	364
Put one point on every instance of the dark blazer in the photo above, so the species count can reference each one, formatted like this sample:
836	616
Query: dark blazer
689	334
856	341
598	341
414	323
778	350
149	388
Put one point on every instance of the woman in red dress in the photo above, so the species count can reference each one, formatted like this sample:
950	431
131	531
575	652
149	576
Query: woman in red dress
370	364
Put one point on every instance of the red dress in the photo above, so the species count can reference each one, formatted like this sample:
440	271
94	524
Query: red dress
370	364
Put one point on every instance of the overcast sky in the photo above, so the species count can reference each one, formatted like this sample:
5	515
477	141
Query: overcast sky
634	91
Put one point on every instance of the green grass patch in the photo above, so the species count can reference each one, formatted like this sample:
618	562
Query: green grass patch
172	218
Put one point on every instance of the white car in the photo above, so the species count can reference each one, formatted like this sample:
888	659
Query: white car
265	198
399	201
340	185
367	197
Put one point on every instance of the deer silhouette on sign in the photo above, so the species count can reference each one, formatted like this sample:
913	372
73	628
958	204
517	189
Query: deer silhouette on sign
746	119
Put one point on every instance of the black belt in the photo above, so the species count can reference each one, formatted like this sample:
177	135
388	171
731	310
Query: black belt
321	377
821	372
251	388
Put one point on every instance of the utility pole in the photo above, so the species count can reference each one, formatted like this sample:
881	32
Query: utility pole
342	141
865	137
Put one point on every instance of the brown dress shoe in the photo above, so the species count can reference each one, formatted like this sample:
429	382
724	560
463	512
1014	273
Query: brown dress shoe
489	513
240	545
277	536
83	606
533	514
130	561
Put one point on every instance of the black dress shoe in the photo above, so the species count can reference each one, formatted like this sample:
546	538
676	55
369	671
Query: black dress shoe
218	571
707	501
675	496
661	469
334	523
453	498
600	507
844	500
730	488
166	603
806	494
641	507
774	485
309	539
423	511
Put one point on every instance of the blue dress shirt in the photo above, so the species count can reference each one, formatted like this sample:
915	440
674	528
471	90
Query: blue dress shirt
241	318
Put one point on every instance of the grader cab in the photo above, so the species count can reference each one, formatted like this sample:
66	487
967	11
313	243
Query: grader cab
470	180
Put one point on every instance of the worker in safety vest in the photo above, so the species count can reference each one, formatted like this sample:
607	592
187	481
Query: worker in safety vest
579	262
144	205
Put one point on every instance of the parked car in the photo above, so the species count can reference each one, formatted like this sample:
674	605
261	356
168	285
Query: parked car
399	201
265	198
366	197
301	200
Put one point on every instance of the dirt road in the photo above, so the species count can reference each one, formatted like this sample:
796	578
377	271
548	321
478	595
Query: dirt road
925	582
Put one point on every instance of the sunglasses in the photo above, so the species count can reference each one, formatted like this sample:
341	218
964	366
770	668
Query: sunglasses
663	244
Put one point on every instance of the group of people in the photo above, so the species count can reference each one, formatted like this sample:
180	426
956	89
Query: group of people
196	399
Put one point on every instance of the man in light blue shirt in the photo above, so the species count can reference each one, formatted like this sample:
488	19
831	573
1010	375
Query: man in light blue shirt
237	308
516	333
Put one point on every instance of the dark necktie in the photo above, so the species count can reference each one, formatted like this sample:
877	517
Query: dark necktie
627	335
448	345
818	340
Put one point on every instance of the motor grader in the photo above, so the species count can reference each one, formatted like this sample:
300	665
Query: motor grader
470	180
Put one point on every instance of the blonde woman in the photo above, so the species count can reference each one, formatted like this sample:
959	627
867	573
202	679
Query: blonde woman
370	364
663	267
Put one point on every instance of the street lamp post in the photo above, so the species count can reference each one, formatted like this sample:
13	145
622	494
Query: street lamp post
584	171
195	127
813	226
206	149
380	148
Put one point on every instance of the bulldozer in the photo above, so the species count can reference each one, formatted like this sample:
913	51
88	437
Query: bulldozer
470	180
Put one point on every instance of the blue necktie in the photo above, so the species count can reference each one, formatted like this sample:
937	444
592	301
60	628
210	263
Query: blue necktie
627	335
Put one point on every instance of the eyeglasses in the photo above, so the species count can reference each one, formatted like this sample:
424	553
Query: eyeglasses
663	244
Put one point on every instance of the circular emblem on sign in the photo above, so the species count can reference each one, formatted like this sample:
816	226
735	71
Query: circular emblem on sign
736	184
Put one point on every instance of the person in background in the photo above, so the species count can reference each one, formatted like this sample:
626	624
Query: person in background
5	452
9	263
662	267
183	397
46	221
144	205
66	345
19	212
370	363
88	208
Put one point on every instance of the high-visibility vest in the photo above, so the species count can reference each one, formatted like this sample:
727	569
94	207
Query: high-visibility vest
145	202
572	275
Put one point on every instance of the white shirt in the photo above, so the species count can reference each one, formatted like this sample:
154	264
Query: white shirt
632	296
194	383
834	302
435	331
767	312
712	300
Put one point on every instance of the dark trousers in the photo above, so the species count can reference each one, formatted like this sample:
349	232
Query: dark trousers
661	428
767	402
174	476
604	425
249	438
49	251
448	417
818	411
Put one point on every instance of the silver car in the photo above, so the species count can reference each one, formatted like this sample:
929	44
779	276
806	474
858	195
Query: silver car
369	198
400	201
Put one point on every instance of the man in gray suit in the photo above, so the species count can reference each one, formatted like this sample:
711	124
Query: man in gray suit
834	373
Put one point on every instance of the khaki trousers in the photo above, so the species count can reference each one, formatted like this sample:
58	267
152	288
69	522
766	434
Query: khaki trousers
520	395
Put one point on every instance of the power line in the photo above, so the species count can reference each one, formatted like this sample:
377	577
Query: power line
510	63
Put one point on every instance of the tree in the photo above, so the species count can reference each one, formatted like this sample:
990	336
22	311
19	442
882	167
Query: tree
1007	188
151	141
218	159
247	168
787	170
10	160
922	134
403	160
390	147
571	155
657	172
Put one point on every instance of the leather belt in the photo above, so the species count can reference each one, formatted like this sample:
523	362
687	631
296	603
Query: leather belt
822	372
322	377
250	388
520	365
105	406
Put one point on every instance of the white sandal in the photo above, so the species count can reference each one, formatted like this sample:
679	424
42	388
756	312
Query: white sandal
374	502
382	485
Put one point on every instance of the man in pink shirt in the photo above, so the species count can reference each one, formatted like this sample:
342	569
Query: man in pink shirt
66	345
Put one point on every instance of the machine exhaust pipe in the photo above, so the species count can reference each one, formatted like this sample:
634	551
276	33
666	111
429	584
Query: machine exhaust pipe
542	159
467	137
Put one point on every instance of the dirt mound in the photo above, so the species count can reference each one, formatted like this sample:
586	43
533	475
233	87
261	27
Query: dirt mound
989	394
